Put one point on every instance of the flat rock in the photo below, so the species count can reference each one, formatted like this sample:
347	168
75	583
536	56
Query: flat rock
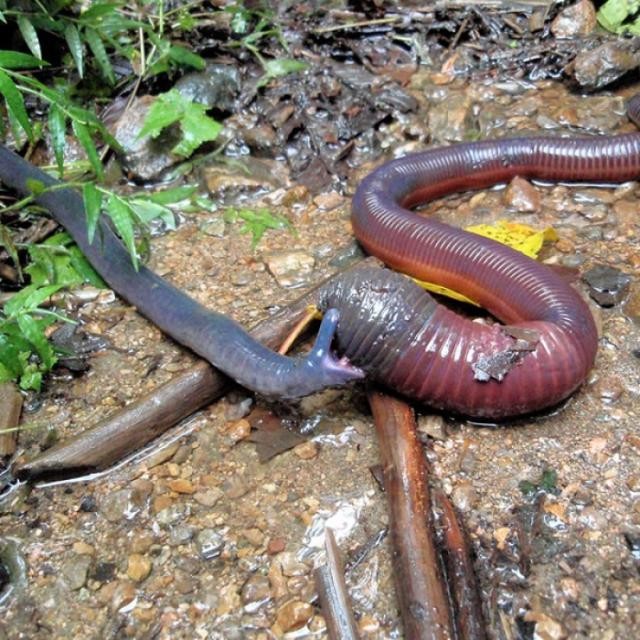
576	20
290	268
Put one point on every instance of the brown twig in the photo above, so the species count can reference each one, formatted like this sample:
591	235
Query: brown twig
459	33
130	428
461	577
10	408
358	24
140	422
332	593
421	590
298	330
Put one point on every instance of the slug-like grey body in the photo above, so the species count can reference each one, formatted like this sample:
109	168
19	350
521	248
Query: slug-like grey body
218	339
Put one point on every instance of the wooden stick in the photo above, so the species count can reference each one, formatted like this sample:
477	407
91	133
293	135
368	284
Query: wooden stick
301	326
421	591
128	429
332	593
461	576
10	409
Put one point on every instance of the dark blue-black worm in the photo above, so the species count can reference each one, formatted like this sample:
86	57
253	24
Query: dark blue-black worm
218	339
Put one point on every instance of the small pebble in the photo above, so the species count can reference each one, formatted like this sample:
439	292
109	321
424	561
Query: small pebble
564	245
82	548
254	536
291	566
209	543
290	268
609	389
138	567
181	485
546	627
464	496
88	504
632	304
452	119
75	570
368	625
237	430
607	285
209	497
293	615
172	514
600	66
117	506
239	409
317	625
122	594
597	445
277	581
276	545
214	227
578	19
347	255
229	600
570	589
161	502
297	194
255	590
180	534
242	279
184	583
633	482
593	519
521	195
328	201
141	541
501	535
103	572
307	450
235	487
141	490
432	426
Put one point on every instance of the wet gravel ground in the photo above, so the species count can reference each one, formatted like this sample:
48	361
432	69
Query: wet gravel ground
198	539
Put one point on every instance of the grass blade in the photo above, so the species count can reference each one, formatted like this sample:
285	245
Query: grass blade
84	137
15	103
74	43
100	53
123	216
57	126
30	36
93	205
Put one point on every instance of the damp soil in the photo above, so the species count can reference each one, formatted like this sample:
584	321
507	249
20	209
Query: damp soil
199	536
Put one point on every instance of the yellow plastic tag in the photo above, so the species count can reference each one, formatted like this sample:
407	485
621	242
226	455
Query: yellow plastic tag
520	237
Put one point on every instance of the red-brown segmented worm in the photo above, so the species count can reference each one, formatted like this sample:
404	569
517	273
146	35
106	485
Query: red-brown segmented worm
441	358
433	355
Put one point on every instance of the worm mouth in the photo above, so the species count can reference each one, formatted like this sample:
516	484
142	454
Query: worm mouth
323	367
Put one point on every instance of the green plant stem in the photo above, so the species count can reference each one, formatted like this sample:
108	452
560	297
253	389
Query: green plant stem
16	206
